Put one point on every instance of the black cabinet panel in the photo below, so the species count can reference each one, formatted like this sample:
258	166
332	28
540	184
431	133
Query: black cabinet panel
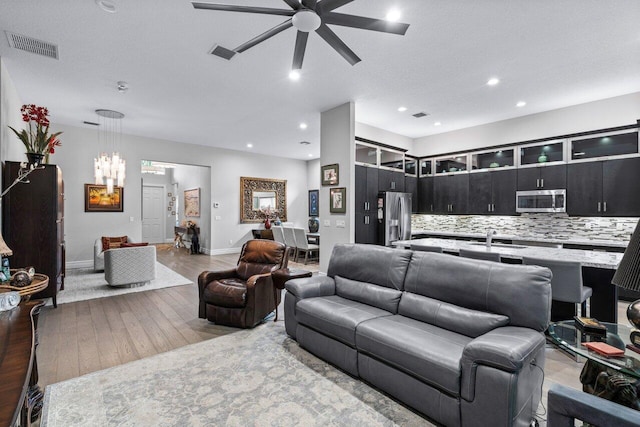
366	197
480	193
542	178
503	186
621	187
451	193
360	188
390	180
425	195
584	189
411	186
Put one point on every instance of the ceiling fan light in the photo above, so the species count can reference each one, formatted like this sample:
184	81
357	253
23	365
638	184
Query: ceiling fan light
294	75
306	20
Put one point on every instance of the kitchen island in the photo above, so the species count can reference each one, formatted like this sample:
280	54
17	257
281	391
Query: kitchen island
597	270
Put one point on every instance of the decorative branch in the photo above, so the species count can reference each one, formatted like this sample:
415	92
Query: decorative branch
23	173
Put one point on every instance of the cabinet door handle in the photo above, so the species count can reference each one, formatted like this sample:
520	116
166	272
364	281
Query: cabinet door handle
542	183
431	207
604	207
598	206
538	183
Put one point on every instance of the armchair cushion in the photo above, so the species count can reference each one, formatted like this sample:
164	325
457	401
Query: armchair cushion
230	292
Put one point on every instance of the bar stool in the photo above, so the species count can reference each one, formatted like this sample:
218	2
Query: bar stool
488	256
426	248
566	284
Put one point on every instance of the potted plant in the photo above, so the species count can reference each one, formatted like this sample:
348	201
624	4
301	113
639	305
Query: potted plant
36	139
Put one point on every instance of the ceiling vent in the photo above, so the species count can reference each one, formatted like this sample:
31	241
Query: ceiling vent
29	44
91	123
420	115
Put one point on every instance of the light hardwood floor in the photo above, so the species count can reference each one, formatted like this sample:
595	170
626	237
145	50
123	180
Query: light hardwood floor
86	336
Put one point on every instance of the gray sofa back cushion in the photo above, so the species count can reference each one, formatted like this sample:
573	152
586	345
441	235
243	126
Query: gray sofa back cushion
366	293
465	321
522	293
369	263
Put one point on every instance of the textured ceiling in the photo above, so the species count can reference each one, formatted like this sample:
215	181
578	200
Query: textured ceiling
548	53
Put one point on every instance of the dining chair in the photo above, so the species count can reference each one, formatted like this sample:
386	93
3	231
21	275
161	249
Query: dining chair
426	248
290	240
302	245
487	256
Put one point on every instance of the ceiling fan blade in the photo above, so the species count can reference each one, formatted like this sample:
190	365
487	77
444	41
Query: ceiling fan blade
310	4
248	9
339	46
365	23
293	4
298	53
262	37
222	52
328	5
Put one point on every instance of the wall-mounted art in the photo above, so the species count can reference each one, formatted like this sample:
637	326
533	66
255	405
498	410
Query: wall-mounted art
314	205
96	199
330	174
262	196
338	200
192	202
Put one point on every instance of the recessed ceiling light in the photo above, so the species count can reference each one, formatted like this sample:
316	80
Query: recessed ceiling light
249	145
493	81
402	109
393	15
521	104
437	124
107	6
310	155
294	75
303	125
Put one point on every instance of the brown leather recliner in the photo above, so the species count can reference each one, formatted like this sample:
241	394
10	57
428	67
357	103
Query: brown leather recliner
243	296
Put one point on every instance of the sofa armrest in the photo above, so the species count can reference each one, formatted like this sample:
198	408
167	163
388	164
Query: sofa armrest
509	349
567	404
310	287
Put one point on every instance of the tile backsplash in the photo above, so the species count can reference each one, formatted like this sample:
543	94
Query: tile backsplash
553	226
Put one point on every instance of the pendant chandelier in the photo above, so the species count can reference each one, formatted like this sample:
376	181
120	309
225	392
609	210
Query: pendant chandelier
109	169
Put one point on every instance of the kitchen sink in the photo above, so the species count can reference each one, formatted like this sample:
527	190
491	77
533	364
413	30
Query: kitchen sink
500	245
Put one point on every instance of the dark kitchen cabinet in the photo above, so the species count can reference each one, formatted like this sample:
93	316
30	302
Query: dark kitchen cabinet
451	193
366	197
542	178
425	194
33	224
411	186
389	180
604	188
493	192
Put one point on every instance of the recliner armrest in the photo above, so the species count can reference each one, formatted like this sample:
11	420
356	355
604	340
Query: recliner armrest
209	276
310	287
509	348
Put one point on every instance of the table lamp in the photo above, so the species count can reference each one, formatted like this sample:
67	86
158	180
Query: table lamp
627	276
5	251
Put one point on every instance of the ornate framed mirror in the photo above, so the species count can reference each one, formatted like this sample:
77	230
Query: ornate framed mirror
260	197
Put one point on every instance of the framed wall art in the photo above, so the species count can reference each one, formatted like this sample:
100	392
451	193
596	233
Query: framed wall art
330	175
314	208
192	202
96	199
338	200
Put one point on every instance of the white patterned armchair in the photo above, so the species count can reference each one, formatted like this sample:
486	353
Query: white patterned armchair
130	266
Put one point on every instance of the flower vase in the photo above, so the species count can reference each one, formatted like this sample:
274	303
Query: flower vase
267	224
542	158
35	158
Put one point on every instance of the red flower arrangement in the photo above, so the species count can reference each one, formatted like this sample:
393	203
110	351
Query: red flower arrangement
37	139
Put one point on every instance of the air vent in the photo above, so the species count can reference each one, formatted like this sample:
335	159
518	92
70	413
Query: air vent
420	115
91	123
29	44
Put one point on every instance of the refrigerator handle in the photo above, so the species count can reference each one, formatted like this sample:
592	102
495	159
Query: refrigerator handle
400	216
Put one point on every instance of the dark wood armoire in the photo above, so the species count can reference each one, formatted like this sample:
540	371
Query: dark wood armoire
33	224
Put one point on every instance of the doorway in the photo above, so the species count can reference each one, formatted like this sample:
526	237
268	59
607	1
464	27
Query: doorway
153	214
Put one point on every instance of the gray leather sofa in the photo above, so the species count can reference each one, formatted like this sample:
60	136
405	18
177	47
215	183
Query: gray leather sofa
457	339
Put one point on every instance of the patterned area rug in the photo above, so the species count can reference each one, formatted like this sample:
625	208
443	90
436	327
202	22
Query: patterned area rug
257	377
83	283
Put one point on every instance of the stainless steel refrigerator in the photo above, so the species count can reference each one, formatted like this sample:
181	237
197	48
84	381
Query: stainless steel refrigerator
394	217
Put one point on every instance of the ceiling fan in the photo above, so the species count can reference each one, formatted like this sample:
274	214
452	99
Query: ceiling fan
307	16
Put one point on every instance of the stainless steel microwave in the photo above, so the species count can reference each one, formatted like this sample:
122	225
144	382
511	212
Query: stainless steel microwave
541	201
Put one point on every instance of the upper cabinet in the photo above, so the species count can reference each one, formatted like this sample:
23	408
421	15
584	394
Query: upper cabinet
391	159
450	164
542	153
605	145
411	166
366	154
493	159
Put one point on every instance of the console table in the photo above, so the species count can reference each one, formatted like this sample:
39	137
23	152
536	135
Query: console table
19	392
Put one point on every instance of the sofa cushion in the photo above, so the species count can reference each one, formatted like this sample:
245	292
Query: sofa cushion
335	316
133	245
230	293
112	242
425	351
377	296
465	321
370	264
520	292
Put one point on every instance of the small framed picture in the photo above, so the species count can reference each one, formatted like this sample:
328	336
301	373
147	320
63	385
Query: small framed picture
314	195
330	175
169	194
338	200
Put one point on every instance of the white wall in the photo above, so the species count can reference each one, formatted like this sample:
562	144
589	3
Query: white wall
10	104
313	174
337	145
384	136
612	112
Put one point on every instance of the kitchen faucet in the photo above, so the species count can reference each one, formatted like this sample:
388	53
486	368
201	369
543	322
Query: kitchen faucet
490	233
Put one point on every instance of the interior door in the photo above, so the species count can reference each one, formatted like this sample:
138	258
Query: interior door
153	214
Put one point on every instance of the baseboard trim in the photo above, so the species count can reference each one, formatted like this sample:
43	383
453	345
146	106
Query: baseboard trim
223	251
87	263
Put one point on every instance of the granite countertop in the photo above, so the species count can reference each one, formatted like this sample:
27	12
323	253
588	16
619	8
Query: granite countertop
598	259
542	239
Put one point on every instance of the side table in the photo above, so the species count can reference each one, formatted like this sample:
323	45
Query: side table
280	277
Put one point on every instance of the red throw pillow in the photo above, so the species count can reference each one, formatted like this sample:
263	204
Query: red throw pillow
113	242
133	245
